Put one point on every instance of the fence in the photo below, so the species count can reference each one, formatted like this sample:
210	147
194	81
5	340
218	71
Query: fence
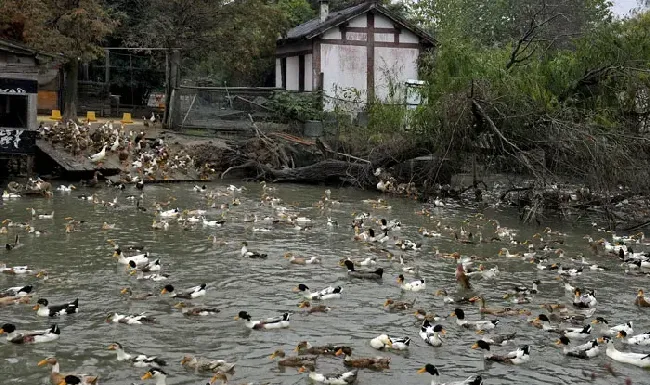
219	108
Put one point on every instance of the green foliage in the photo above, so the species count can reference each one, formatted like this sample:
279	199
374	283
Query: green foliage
296	106
296	11
561	99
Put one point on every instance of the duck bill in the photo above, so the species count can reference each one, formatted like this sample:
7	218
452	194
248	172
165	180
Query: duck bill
124	291
146	376
112	347
443	332
164	291
2	331
602	340
62	382
301	369
475	346
453	314
304	305
473	299
35	307
388	303
422	370
237	318
618	335
178	305
42	362
296	349
272	356
295	289
338	352
595	321
558	342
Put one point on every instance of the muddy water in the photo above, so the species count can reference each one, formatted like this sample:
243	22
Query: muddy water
80	266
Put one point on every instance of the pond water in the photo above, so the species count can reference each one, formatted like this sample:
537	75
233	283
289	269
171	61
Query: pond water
80	265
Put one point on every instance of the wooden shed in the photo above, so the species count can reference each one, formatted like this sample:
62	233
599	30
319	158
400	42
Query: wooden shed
366	49
19	72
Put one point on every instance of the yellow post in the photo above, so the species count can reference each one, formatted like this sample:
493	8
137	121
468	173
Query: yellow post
90	116
126	118
56	115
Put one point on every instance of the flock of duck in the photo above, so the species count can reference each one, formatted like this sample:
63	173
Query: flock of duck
140	158
573	324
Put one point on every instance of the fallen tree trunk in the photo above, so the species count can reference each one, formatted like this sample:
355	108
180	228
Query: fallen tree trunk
326	171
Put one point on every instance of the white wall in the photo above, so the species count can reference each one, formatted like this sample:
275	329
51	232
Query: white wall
344	66
360	36
278	73
408	37
332	33
292	73
359	21
308	72
396	65
382	21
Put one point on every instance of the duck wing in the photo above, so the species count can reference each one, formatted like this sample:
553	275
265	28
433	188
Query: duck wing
67	308
377	274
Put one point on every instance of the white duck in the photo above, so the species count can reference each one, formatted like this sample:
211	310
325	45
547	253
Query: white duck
135	319
139	361
642	339
329	292
431	335
638	359
270	323
418	285
96	158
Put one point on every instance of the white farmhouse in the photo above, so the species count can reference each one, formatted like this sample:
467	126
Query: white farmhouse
365	50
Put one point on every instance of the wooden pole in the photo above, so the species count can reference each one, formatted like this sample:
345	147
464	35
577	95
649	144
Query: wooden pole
174	97
165	120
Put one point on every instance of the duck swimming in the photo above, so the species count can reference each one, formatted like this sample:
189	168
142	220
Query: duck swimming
192	292
418	285
44	310
250	254
269	323
327	293
376	274
139	361
587	350
206	365
135	319
478	325
156	374
377	363
641	360
32	337
642	339
431	335
307	361
432	370
304	347
332	379
516	357
612	331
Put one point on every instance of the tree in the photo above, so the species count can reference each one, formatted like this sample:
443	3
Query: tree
490	23
72	28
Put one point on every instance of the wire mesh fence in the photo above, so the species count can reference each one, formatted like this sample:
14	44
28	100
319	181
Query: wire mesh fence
221	108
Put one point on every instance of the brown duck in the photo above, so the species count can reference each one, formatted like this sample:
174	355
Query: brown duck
305	347
296	361
378	363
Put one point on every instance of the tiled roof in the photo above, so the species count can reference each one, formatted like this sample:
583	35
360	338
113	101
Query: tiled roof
315	27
